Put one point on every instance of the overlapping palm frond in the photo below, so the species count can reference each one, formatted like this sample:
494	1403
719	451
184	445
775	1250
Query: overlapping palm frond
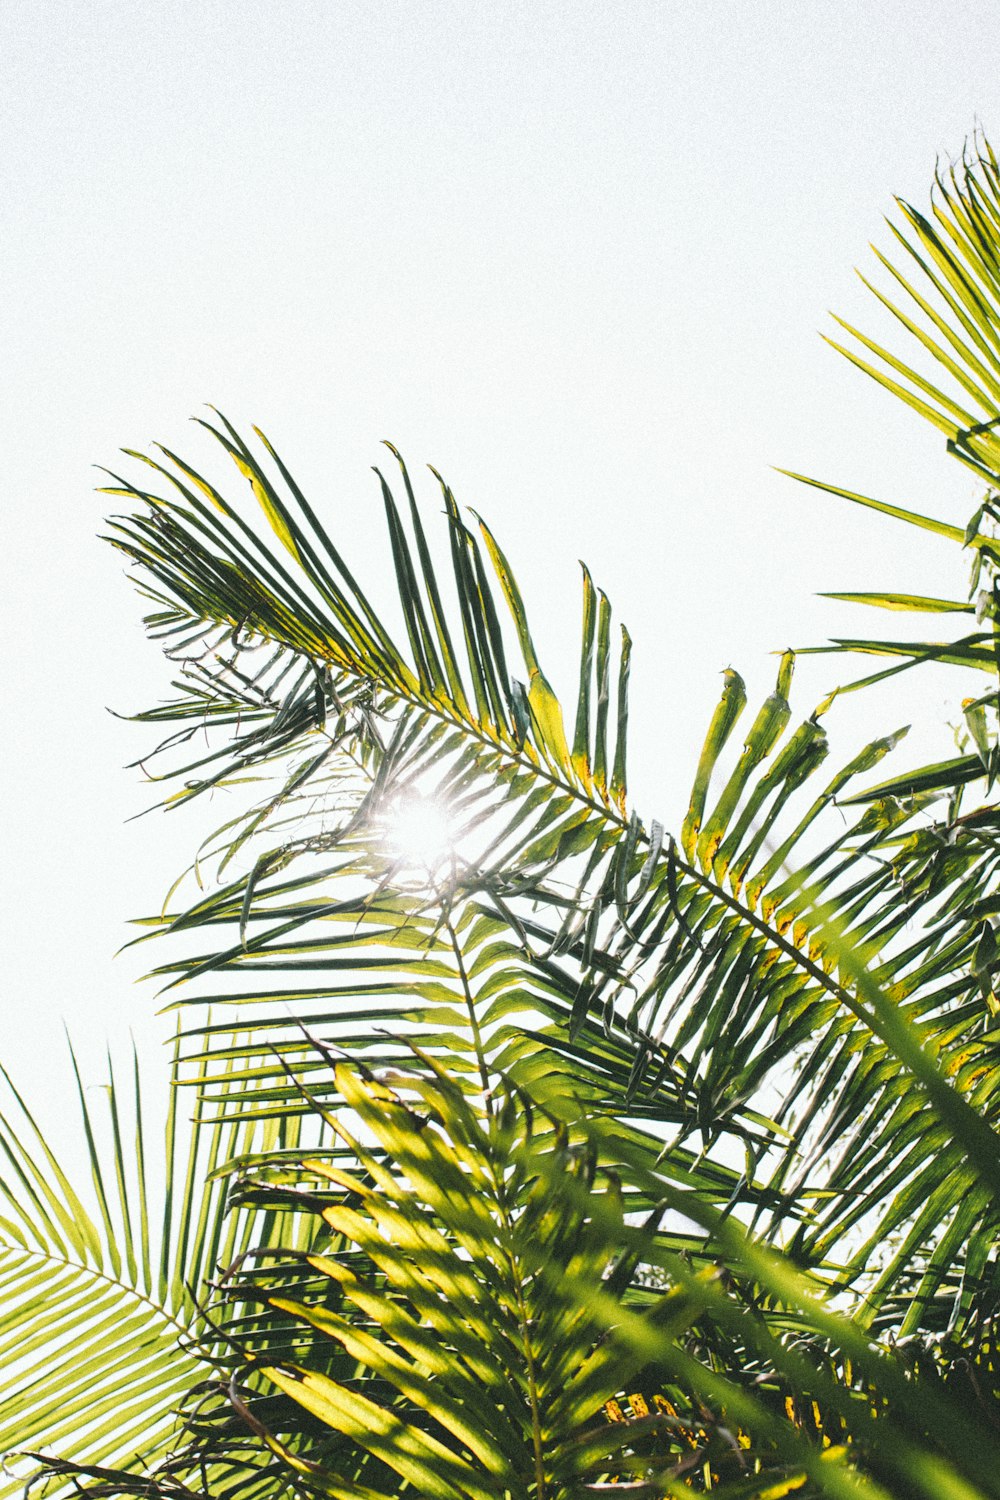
355	731
759	978
509	926
469	1323
947	300
900	1423
599	961
945	863
101	1329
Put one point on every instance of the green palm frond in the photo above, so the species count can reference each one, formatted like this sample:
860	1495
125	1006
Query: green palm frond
950	313
760	972
300	679
950	308
228	589
494	1378
101	1329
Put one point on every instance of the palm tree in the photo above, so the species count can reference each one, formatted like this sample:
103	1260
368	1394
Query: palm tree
771	1036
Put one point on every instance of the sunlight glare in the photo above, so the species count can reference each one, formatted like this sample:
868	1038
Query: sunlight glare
419	833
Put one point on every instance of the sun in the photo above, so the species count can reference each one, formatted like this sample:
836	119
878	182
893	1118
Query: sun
419	835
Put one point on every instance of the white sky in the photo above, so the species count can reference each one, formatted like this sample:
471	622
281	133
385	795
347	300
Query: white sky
575	255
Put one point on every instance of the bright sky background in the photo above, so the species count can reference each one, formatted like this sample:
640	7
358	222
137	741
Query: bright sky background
574	254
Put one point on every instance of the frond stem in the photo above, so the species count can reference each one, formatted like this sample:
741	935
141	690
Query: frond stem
525	1322
477	1036
98	1275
